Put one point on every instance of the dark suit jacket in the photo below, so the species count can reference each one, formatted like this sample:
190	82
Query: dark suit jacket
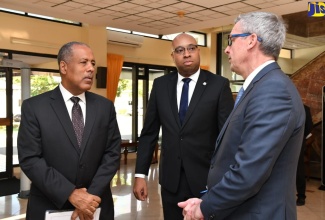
189	146
50	157
252	174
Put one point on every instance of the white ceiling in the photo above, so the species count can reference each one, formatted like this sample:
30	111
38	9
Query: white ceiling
162	16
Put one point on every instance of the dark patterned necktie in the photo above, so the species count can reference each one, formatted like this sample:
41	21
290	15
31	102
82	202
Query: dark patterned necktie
184	100
77	119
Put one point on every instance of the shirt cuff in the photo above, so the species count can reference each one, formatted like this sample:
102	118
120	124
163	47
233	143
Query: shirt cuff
139	175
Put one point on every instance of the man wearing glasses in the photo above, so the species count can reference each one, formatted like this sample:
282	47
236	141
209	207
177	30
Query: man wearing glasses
191	106
253	169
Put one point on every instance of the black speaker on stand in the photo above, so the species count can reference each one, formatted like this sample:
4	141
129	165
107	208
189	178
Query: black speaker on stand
101	77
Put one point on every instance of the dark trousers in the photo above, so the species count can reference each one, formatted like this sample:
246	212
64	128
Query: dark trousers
301	177
170	200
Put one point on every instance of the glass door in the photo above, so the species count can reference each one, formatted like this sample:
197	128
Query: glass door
6	125
132	96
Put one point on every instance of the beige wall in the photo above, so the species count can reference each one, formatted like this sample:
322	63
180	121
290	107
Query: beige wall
47	37
302	56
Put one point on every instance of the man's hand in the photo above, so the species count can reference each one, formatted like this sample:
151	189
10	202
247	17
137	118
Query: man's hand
85	204
77	213
140	190
191	209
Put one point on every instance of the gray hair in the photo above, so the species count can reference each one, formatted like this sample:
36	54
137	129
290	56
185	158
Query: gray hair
268	26
66	52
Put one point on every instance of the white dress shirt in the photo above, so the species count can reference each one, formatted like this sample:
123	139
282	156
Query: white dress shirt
191	88
251	76
66	97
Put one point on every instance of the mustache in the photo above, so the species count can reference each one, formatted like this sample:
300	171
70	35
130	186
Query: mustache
89	76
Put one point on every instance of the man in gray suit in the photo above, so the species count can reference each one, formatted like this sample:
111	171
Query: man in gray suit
252	172
188	137
67	172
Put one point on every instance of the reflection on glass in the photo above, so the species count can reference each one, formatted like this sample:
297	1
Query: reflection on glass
3	115
140	106
3	148
123	103
3	96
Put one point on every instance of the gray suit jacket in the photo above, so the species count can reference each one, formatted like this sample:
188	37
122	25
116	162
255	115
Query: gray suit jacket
189	146
252	173
50	156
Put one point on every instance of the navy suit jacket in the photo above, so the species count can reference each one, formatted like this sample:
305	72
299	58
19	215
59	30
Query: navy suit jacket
253	170
50	156
189	146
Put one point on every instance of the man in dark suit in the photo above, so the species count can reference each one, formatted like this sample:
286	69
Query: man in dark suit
67	173
252	172
187	145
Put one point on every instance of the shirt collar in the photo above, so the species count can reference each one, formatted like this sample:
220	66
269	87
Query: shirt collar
194	77
251	76
67	95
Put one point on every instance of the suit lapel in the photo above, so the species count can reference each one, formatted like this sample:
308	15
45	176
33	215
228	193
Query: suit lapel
197	94
90	119
172	89
261	74
62	114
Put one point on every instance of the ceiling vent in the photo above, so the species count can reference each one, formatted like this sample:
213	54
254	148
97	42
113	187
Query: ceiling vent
124	39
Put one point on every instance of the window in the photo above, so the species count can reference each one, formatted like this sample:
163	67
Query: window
133	92
40	16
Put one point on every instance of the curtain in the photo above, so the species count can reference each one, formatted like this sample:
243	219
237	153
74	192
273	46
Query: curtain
114	68
204	67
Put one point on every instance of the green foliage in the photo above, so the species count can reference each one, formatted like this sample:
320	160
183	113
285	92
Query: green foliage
41	84
123	83
16	80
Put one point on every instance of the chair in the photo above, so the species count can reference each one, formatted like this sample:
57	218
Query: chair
125	144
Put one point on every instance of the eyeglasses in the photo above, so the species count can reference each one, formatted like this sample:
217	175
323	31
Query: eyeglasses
241	35
181	50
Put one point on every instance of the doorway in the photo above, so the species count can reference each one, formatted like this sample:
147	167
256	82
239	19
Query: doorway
6	123
133	93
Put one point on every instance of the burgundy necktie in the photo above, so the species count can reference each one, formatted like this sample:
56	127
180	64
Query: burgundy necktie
77	119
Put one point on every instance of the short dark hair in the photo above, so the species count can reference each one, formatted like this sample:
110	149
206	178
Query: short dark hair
65	52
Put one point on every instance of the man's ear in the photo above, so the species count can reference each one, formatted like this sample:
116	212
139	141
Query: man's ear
172	56
63	67
253	40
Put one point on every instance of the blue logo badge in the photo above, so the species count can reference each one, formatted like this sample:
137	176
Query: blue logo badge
316	9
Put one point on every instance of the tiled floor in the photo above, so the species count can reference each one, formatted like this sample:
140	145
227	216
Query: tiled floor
128	208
